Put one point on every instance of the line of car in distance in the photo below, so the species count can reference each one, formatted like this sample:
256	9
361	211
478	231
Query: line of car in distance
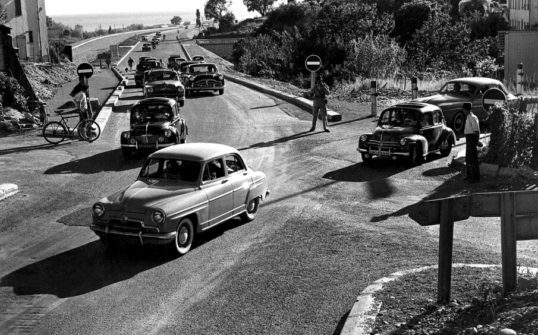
181	191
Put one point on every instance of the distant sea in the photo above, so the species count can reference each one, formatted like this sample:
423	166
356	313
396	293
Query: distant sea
92	22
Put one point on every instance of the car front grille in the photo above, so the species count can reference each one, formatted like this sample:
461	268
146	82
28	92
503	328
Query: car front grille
164	88
207	83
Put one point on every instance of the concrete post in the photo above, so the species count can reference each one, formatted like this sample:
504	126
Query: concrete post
414	88
373	95
519	79
312	80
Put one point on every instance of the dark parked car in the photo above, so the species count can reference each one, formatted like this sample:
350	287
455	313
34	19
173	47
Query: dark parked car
457	91
411	130
174	61
143	67
204	77
180	192
155	123
146	47
164	83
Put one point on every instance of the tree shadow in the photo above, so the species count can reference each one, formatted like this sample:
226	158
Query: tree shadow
79	271
278	140
106	161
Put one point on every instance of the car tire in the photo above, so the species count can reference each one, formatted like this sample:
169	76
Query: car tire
221	91
182	243
126	153
366	158
458	122
251	210
416	155
446	146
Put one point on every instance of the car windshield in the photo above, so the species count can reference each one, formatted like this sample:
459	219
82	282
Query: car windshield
399	117
151	113
184	66
162	75
458	88
202	68
181	170
149	65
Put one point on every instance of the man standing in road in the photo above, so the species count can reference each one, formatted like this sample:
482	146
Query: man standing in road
472	136
319	93
130	62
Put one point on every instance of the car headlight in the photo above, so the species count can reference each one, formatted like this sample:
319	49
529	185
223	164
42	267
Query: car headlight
190	78
157	217
98	210
132	141
149	89
363	138
221	77
126	135
167	133
180	89
403	141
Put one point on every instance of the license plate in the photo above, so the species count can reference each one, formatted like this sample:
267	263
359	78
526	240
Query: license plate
380	153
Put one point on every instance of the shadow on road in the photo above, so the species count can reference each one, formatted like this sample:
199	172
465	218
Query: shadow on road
80	270
279	140
44	146
105	161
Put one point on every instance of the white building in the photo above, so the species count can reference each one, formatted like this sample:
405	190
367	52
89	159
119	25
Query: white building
28	22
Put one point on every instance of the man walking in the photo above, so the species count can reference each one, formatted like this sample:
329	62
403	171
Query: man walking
472	136
130	62
319	105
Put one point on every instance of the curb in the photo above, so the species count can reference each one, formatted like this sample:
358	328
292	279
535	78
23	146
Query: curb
303	103
104	113
361	318
7	190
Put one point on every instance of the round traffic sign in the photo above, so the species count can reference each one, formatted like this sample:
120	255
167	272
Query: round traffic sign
491	97
312	63
85	70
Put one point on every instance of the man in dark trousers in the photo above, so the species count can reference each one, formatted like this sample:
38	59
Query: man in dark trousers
130	62
319	104
472	137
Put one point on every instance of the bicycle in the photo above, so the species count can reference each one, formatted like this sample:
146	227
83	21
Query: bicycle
56	131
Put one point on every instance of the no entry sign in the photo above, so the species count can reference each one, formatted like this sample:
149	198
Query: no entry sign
85	70
313	63
491	97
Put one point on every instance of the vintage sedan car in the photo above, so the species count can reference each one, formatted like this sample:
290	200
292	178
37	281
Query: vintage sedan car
155	124
458	91
141	68
411	130
204	77
181	191
164	83
146	47
174	61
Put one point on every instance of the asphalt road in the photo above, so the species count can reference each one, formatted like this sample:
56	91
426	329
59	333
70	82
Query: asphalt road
330	227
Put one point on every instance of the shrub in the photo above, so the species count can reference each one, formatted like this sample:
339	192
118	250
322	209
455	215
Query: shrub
514	129
12	93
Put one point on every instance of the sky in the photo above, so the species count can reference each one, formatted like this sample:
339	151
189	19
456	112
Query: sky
69	7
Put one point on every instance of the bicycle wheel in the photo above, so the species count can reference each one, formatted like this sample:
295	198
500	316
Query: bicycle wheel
54	132
89	130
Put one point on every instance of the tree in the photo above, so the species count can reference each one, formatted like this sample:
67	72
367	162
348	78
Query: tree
214	9
260	6
198	21
226	22
110	29
176	20
3	15
409	18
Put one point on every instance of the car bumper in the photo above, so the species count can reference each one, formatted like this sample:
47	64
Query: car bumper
142	237
206	88
176	96
139	146
391	152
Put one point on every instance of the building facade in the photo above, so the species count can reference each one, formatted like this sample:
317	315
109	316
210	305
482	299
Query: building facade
28	22
523	14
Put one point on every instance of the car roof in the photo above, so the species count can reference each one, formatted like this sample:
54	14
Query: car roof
476	81
162	70
195	151
419	106
156	101
201	64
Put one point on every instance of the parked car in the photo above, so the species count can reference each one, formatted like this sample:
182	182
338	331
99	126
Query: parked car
174	61
144	38
146	47
204	77
142	59
146	65
164	83
411	130
198	58
181	191
155	124
457	91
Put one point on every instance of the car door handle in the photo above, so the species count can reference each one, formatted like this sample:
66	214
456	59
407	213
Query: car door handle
224	181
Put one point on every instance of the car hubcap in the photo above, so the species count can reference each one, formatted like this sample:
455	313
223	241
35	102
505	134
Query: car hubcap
183	235
251	206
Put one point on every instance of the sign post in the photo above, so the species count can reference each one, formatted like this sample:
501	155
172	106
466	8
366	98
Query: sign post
491	97
313	64
85	70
